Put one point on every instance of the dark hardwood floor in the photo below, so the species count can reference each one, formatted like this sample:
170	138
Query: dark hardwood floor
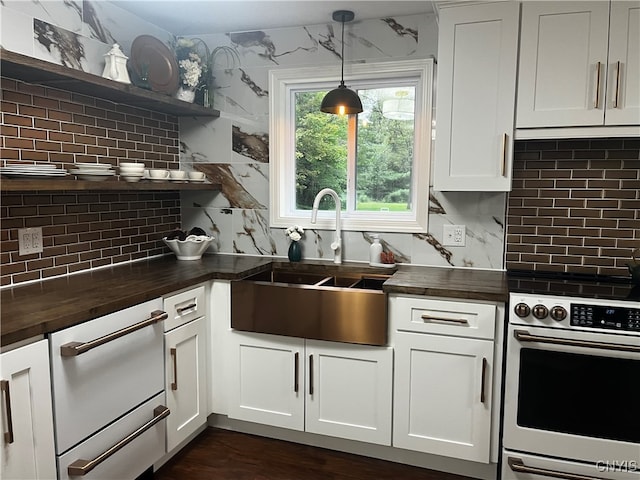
224	455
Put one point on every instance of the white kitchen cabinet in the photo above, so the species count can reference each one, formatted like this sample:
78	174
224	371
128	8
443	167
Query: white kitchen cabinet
477	60
185	364
329	388
186	380
444	371
579	64
27	418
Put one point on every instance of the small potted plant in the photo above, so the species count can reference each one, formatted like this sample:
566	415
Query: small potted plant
192	57
294	233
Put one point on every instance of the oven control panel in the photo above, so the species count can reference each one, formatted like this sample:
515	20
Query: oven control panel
602	316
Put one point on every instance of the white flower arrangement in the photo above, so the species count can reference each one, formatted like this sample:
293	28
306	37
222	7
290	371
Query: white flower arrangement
295	233
190	61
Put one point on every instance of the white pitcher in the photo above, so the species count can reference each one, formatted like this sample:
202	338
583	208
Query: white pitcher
115	65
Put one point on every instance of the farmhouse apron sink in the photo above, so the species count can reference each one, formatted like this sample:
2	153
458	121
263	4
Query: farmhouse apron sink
348	308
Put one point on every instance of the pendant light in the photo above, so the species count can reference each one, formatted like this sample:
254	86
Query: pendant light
341	100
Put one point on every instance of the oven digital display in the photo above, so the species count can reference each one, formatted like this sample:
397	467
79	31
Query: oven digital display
602	316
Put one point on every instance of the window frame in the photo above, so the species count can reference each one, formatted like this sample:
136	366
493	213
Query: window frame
283	83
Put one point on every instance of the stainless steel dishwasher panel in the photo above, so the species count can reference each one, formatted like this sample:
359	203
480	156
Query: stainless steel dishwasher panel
103	368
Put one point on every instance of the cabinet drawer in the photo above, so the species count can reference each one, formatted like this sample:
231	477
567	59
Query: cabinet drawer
134	457
462	319
94	387
184	307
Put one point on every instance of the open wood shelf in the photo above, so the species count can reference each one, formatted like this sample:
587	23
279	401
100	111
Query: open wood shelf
12	185
33	70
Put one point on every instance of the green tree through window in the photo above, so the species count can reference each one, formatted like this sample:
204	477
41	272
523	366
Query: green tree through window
383	156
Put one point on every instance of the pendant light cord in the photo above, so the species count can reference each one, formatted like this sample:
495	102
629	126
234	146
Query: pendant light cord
342	55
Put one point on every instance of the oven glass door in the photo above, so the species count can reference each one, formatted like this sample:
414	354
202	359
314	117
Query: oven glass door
575	401
580	394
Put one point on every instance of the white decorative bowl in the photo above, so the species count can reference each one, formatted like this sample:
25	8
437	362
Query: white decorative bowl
190	249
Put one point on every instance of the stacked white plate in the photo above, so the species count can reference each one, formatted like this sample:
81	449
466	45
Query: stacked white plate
32	171
93	171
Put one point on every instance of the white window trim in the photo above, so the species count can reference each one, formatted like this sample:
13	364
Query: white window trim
281	147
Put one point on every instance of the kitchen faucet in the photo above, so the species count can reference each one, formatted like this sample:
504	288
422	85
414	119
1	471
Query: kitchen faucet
336	246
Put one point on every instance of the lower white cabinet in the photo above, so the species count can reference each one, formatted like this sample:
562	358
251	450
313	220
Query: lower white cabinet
329	388
185	364
443	395
26	418
444	370
186	390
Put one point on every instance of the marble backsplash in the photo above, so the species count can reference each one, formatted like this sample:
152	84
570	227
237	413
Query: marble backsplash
234	148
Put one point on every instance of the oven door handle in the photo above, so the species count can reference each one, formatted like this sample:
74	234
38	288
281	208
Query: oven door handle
73	349
82	467
524	336
517	465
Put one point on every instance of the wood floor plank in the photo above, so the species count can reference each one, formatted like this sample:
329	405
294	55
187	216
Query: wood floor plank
218	454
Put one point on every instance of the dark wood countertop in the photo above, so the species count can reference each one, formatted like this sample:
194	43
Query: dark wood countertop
462	283
50	305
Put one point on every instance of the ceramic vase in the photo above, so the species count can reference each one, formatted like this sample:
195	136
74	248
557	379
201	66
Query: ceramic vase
185	94
295	252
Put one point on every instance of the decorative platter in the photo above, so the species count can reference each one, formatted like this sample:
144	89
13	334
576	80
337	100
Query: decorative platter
150	55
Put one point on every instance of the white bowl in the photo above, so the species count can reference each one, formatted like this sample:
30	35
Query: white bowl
196	175
190	249
93	166
132	165
177	174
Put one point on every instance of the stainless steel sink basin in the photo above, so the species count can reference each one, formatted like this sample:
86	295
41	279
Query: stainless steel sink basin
342	308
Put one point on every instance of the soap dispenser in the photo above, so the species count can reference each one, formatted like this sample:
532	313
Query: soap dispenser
375	250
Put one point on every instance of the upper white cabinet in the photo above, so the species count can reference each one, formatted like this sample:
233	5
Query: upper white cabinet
27	418
477	60
579	64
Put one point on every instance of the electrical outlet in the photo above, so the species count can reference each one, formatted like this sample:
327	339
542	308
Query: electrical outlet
454	235
29	240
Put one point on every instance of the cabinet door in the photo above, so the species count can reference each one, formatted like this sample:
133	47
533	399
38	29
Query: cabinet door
348	391
477	59
442	395
623	93
266	377
26	411
185	355
563	63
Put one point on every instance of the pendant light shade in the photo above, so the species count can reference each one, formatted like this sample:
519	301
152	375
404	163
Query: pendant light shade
341	100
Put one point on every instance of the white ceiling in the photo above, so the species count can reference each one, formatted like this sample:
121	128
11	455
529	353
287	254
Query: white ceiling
199	17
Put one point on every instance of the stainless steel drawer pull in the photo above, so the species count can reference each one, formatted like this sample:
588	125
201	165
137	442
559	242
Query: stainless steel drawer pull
483	379
72	349
616	98
82	467
8	435
503	165
188	307
597	102
310	374
459	321
296	372
517	465
524	336
174	357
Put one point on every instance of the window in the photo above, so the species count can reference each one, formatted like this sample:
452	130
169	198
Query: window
377	161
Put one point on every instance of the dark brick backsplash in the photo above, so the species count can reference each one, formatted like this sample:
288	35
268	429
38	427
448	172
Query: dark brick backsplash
82	230
574	206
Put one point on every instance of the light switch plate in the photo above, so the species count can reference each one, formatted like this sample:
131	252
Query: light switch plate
454	235
29	240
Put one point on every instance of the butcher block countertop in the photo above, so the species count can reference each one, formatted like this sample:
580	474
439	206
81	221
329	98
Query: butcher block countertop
43	307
